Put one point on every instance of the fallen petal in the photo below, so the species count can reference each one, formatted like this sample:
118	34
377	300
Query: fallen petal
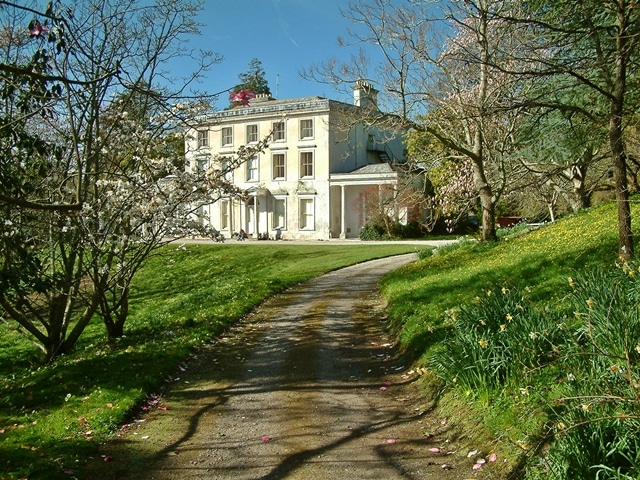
493	457
472	453
383	389
391	441
434	450
446	466
477	466
266	438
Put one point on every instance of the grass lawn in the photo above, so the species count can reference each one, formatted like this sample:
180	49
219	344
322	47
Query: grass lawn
53	417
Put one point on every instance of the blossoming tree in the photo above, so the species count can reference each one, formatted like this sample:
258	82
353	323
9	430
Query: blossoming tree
94	178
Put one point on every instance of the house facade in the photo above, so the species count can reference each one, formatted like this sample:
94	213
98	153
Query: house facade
313	181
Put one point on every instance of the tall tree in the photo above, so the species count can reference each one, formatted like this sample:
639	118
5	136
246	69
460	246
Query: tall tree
91	196
442	75
592	46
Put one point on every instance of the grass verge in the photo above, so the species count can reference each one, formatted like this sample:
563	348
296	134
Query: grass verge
509	337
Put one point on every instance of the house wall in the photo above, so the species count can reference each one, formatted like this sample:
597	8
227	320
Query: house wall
337	145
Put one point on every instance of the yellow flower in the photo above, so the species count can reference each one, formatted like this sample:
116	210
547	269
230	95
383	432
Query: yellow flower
590	303
560	426
509	317
504	290
483	343
571	283
489	293
586	407
638	348
503	327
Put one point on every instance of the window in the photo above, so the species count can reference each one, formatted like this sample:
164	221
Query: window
278	160
306	129
227	136
252	133
252	169
278	132
227	169
224	214
306	164
306	214
202	166
280	213
203	138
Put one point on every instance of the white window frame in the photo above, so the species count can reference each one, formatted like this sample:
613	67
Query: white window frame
203	138
253	166
252	133
275	219
224	214
307	213
304	167
307	129
226	136
279	132
284	166
224	166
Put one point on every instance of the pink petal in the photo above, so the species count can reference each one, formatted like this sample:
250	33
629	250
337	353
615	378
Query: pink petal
391	441
477	466
383	389
266	438
434	450
493	457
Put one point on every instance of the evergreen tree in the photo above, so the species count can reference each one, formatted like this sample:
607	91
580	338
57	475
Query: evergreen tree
253	79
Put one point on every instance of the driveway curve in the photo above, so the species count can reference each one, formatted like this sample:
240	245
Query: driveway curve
306	387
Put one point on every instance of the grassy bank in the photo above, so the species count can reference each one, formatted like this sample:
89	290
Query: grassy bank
534	338
53	417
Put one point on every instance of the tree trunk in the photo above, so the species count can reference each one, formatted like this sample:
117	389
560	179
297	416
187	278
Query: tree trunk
115	318
625	233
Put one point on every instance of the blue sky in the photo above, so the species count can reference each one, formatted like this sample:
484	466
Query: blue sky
285	35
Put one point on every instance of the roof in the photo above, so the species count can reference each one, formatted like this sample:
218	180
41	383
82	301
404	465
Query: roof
263	106
374	168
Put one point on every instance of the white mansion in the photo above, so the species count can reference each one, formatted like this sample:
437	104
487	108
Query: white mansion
314	179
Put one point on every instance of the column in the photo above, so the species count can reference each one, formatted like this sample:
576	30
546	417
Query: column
342	202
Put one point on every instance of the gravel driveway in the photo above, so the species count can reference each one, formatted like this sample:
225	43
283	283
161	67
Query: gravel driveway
306	387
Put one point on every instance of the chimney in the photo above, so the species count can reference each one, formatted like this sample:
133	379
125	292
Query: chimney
261	97
364	95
